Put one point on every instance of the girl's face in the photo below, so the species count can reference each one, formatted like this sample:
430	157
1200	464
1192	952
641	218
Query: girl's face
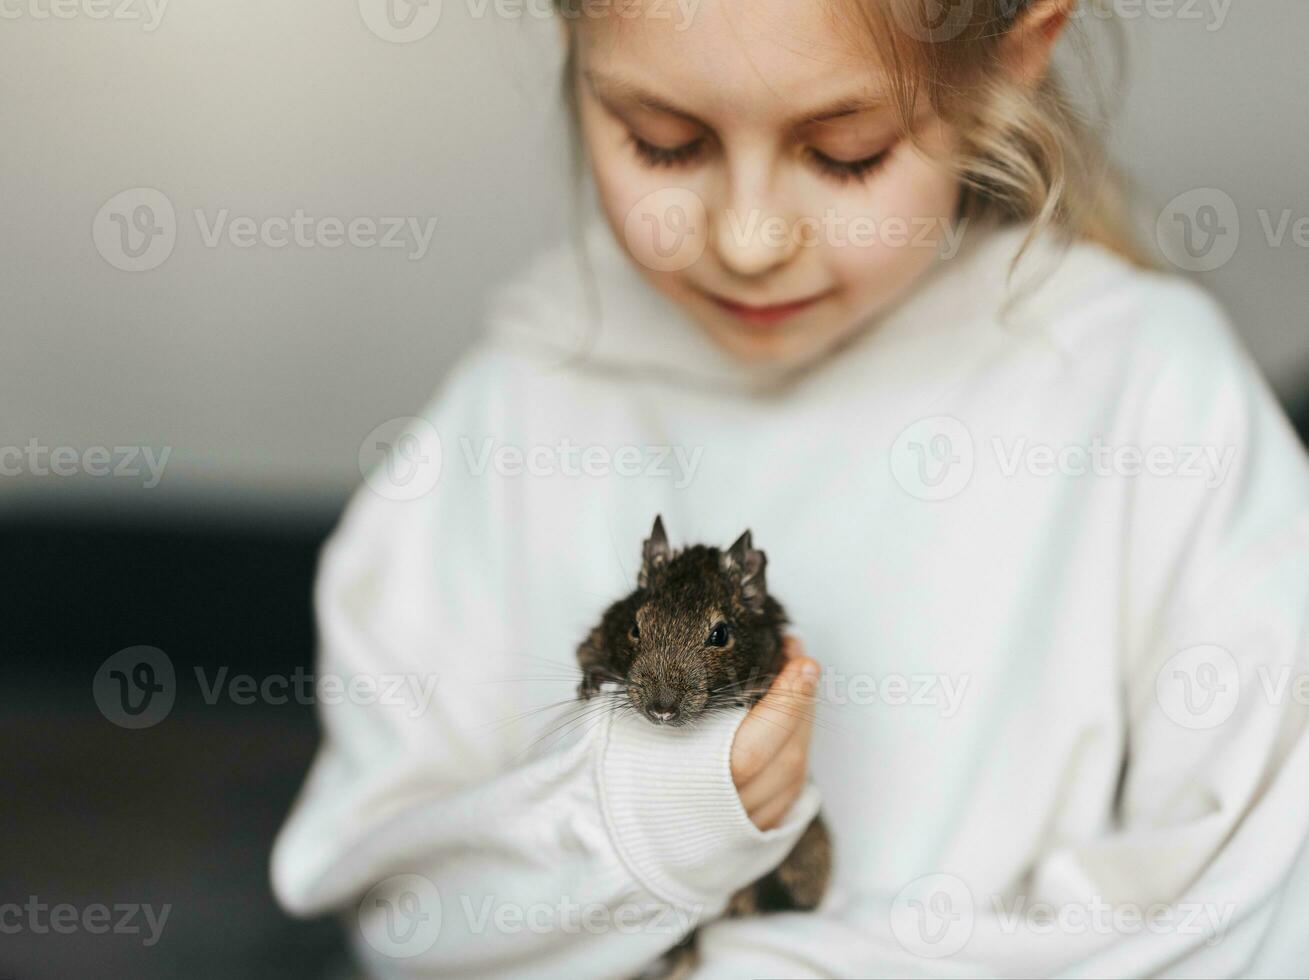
747	159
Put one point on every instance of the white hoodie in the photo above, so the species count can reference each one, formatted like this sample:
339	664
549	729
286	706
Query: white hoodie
1054	560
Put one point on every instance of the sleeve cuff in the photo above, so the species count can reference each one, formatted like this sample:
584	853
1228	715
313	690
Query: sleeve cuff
674	816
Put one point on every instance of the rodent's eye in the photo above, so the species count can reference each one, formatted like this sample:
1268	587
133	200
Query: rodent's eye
719	635
634	633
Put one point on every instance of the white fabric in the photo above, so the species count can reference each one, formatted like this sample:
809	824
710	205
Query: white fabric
1070	688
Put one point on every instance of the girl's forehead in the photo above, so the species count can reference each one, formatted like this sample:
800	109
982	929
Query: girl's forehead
737	57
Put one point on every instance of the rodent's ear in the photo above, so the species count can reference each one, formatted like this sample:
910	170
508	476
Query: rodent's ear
747	563
655	552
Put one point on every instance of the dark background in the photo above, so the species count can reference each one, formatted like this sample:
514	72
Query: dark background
184	812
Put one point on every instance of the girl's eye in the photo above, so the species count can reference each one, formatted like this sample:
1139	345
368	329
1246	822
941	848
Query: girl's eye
653	155
719	635
846	170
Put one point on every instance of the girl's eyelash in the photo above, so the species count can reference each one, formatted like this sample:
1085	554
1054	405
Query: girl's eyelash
677	156
663	156
847	170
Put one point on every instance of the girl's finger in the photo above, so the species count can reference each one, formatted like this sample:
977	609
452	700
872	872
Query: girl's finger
786	770
775	810
787	708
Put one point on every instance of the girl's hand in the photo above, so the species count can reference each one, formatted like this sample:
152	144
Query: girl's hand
770	756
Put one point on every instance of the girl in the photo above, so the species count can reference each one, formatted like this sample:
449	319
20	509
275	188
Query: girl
862	288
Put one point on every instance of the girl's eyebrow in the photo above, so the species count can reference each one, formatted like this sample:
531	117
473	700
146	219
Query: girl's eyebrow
614	88
842	107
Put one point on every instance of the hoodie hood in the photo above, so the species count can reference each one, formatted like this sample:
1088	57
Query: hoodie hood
583	303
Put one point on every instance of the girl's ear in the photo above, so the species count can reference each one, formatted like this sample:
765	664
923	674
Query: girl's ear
1029	43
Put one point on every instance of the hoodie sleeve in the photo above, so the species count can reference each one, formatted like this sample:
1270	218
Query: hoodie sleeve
1206	871
448	850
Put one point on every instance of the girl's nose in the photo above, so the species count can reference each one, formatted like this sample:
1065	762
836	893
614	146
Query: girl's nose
753	235
752	243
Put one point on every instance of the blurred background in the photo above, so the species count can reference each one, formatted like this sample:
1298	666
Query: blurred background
240	236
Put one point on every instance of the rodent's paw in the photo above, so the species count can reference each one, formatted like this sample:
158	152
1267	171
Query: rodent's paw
589	686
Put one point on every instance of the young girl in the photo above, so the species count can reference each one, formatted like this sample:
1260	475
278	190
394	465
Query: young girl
861	287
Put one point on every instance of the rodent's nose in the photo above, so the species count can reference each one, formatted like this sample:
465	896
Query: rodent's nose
662	710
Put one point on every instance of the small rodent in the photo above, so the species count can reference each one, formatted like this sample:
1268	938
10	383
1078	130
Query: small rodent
701	633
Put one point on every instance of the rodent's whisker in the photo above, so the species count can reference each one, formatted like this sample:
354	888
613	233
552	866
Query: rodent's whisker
528	679
808	713
547	739
568	667
747	686
591	713
570	704
530	712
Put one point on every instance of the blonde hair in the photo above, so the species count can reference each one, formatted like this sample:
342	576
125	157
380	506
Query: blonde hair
1027	153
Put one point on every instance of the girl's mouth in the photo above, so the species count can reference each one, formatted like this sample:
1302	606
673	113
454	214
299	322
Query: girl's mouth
765	315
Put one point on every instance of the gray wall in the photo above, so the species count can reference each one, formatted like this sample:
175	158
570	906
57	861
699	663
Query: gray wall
262	368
